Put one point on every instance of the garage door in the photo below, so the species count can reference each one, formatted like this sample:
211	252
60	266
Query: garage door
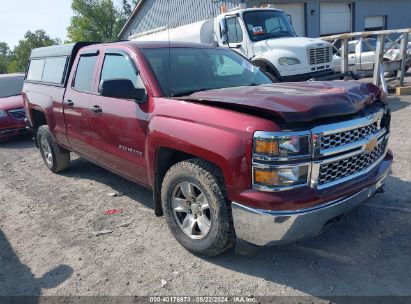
335	18
296	13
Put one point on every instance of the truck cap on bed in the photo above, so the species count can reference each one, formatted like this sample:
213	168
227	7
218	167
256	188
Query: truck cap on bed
58	50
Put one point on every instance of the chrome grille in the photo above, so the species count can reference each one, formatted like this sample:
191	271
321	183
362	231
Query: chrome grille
18	114
320	55
348	137
333	171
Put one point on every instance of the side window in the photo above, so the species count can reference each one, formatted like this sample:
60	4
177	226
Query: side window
351	48
54	69
369	45
235	34
84	74
117	66
51	70
35	70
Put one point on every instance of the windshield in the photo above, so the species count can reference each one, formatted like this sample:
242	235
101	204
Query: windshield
199	69
267	24
11	86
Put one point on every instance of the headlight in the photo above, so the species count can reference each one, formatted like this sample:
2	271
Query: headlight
288	61
275	160
280	177
281	145
3	113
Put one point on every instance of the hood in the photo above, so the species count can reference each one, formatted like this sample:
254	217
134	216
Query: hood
11	103
294	102
290	42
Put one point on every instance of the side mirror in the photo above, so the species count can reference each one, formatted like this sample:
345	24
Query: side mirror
224	31
122	88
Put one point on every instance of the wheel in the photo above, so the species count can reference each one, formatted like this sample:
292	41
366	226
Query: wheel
196	209
56	158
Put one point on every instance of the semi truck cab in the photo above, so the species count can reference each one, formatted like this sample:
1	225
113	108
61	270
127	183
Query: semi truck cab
267	38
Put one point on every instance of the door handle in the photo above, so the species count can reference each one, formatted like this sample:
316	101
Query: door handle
96	109
69	103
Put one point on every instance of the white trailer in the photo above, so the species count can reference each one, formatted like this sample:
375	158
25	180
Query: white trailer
264	35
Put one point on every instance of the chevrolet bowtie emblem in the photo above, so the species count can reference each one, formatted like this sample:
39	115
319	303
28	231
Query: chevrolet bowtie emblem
371	145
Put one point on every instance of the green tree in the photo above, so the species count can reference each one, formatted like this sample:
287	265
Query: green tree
21	53
97	20
4	57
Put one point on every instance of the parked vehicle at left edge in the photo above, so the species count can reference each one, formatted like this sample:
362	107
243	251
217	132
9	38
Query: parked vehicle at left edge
12	114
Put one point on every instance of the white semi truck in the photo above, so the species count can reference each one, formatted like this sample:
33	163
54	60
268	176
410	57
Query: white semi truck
264	35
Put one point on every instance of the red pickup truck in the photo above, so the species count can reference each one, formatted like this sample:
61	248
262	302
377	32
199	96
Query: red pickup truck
228	154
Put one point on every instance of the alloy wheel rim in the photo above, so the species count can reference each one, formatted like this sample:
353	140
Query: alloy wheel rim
191	210
45	147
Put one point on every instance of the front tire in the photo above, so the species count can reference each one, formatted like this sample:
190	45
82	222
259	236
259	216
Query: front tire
196	208
56	158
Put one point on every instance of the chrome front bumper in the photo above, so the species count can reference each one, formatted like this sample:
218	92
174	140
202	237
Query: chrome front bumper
265	227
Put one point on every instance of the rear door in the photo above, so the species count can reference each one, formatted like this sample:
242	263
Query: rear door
120	125
76	102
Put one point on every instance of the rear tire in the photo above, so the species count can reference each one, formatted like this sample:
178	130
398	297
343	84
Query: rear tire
56	158
196	208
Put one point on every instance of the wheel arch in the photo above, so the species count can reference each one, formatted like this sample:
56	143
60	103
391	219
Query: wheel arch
171	141
267	66
165	158
38	119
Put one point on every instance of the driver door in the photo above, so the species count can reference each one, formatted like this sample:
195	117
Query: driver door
119	126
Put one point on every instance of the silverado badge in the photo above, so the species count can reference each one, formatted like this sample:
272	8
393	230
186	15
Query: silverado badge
371	145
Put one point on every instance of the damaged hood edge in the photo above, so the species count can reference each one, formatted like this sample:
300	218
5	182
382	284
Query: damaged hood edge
293	102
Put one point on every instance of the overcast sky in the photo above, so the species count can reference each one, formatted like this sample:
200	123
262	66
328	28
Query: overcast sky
19	16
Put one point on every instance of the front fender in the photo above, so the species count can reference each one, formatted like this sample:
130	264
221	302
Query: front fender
228	150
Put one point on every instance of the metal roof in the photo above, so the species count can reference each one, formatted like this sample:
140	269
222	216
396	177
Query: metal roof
133	14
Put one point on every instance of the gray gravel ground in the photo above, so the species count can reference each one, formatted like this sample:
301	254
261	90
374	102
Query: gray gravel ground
47	245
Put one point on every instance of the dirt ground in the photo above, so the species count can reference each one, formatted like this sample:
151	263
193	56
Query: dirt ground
48	244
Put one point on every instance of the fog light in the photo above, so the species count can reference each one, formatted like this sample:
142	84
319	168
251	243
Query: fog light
278	177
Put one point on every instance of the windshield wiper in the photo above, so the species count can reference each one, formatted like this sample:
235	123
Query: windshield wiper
189	92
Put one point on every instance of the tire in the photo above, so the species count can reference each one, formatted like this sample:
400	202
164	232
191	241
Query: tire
56	158
203	185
